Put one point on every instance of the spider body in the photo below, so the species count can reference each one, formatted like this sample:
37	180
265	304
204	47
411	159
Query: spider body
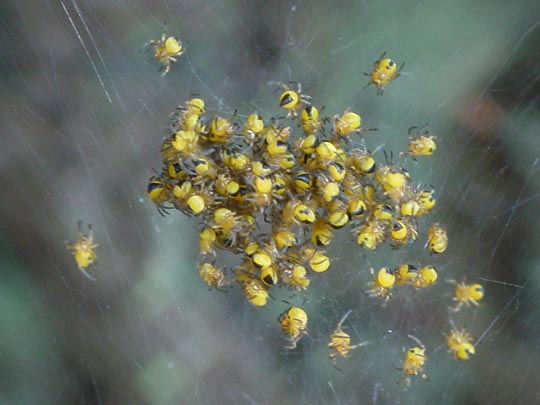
384	71
83	250
166	50
340	341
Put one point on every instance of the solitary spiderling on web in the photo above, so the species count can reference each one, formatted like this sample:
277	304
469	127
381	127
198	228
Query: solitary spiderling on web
466	294
421	144
384	71
166	50
293	324
414	362
292	100
83	250
340	341
460	342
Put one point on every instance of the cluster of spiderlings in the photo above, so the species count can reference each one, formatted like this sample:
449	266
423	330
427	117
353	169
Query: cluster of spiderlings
405	274
275	194
460	342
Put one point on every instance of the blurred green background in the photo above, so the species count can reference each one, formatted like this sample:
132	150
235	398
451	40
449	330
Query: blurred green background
83	112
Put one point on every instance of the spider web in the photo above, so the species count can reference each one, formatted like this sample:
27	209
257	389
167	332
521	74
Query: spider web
84	111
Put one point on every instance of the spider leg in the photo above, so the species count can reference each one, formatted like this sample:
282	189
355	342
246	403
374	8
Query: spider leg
86	274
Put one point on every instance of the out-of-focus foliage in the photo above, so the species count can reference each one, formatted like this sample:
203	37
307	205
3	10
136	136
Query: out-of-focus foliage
83	110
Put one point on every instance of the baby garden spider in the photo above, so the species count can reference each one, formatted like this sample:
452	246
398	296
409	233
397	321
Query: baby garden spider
83	250
166	50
